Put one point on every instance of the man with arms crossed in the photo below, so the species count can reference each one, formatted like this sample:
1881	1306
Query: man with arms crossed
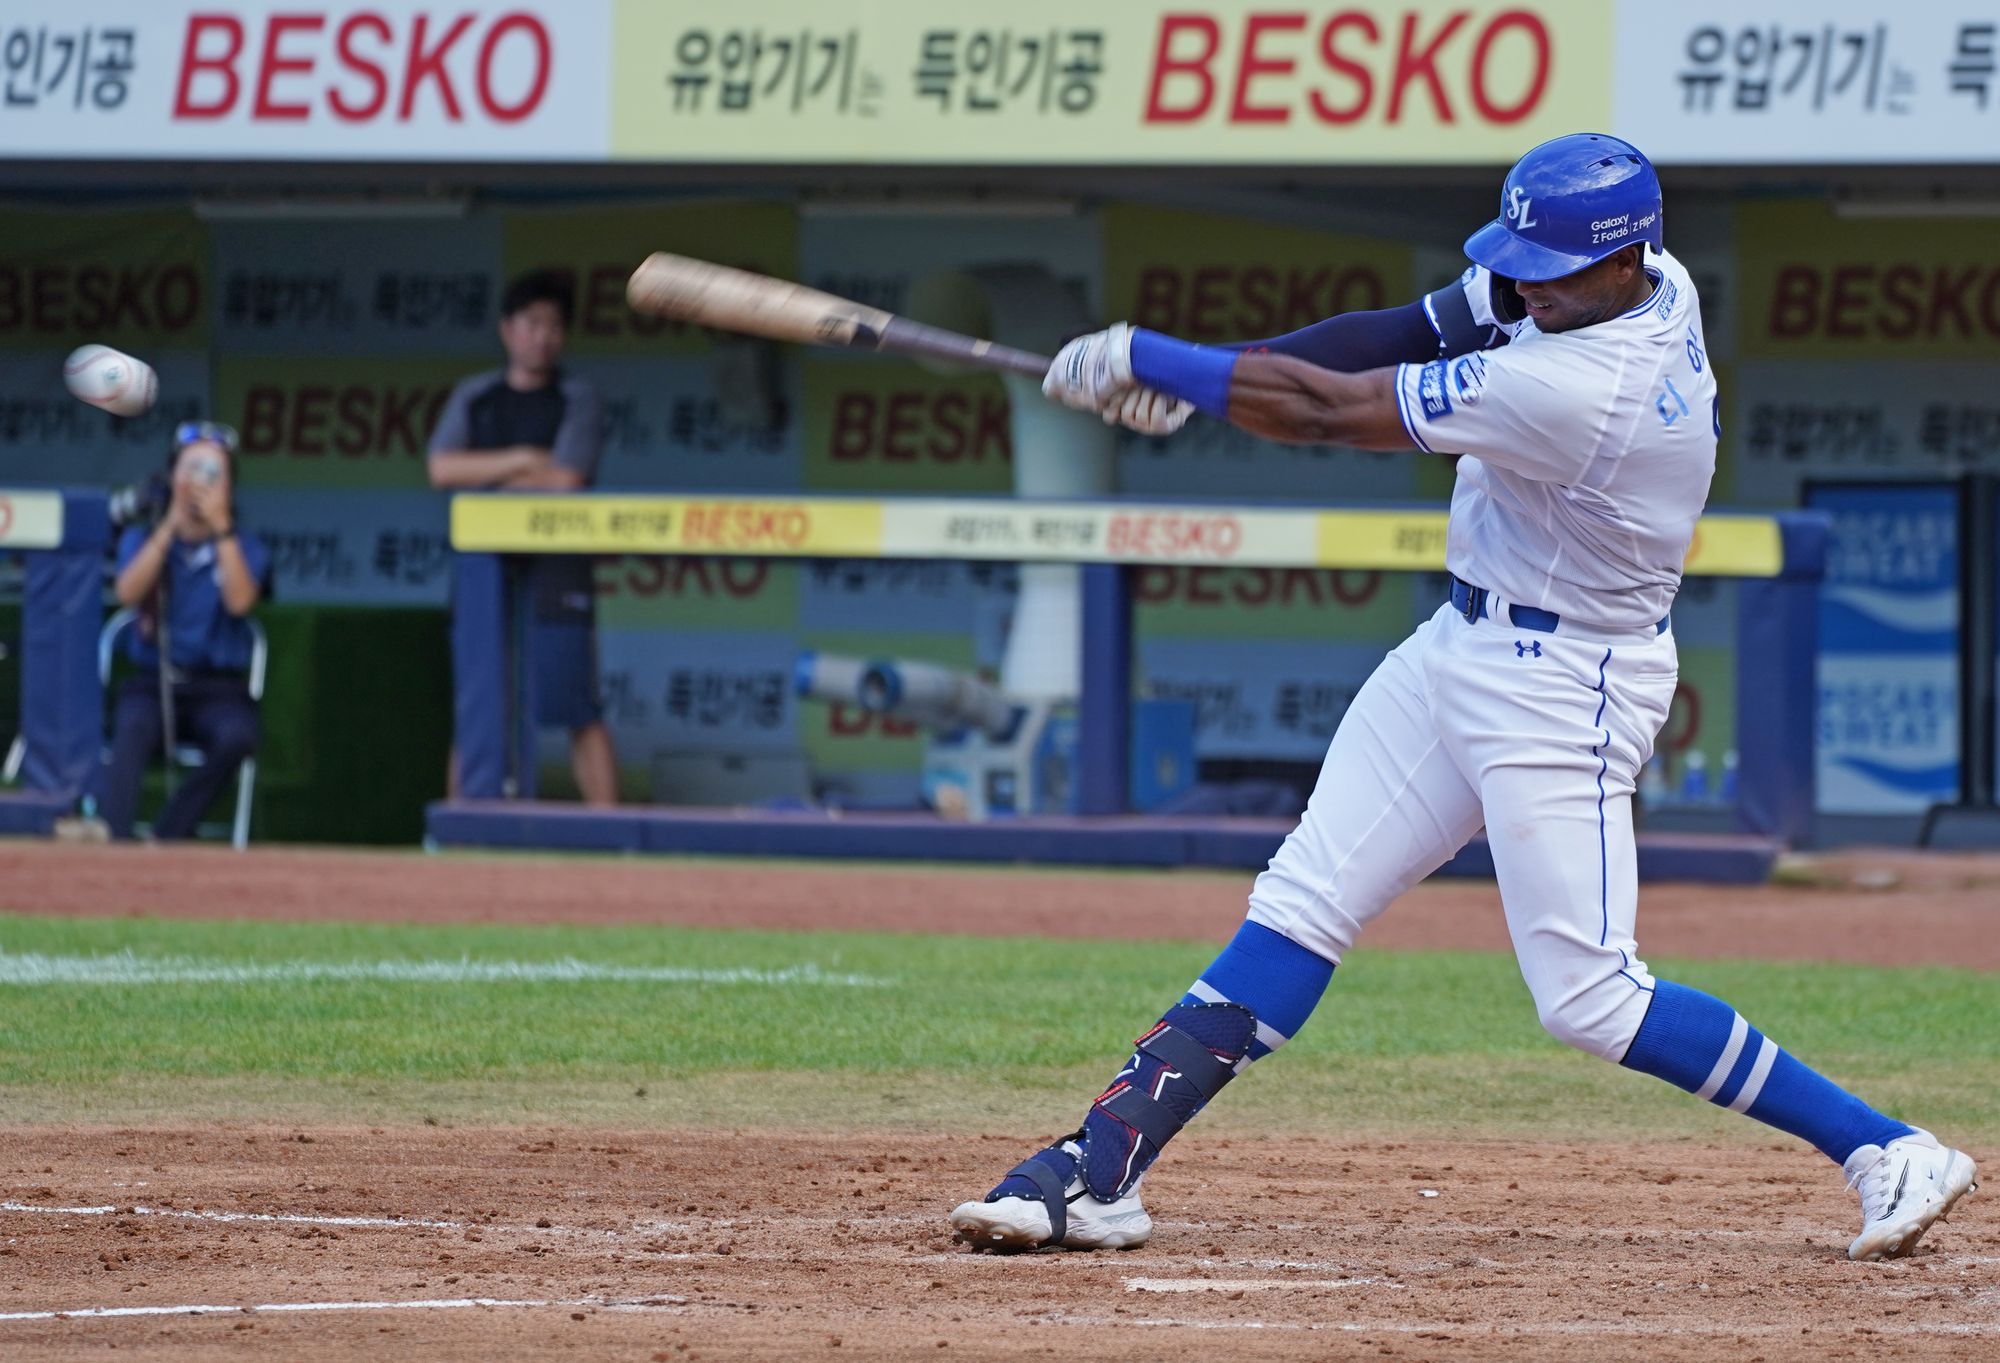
1568	368
532	427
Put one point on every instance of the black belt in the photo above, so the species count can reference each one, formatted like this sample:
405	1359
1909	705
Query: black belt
1470	602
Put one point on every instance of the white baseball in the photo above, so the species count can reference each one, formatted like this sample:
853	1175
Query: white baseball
111	379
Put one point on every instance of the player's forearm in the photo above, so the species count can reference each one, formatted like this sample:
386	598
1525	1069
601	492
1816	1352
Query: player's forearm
472	470
1286	399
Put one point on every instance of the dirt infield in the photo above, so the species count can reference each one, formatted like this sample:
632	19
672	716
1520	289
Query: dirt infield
672	1244
652	1245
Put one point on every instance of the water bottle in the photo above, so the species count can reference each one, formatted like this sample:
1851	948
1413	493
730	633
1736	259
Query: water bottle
1694	778
1728	788
1653	783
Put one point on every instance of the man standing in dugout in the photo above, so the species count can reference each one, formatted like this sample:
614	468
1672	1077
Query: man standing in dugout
531	427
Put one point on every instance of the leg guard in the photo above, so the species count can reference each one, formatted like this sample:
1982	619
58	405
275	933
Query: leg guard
1179	1065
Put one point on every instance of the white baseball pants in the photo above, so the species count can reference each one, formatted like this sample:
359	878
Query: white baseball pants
1538	736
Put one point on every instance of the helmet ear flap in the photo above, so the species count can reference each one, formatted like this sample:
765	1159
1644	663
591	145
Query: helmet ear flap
1507	304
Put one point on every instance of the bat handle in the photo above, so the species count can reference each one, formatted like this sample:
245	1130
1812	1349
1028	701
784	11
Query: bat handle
903	336
1023	362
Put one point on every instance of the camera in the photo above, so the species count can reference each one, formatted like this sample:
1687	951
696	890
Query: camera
141	503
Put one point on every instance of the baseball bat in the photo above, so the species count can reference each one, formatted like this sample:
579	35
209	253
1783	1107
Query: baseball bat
729	299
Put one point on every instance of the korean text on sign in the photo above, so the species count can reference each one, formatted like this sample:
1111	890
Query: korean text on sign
82	67
1757	68
802	72
1004	69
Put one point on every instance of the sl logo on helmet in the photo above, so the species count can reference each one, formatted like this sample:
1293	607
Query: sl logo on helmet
1519	206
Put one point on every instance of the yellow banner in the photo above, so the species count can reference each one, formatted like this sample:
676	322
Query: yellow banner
1004	529
786	527
1816	285
1735	546
1044	82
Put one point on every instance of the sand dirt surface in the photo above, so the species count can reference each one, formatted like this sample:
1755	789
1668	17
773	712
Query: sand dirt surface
745	1244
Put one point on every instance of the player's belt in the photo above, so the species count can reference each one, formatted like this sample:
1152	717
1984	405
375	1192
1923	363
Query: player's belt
1470	602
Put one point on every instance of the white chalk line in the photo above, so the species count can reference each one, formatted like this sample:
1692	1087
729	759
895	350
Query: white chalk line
1249	1284
281	1218
638	1229
1490	1329
126	968
660	1303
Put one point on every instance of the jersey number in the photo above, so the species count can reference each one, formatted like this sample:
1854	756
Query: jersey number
1670	415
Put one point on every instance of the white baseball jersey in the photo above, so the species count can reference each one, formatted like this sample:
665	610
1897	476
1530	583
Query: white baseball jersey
1588	456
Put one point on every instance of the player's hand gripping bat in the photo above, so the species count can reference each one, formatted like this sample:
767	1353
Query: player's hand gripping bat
729	299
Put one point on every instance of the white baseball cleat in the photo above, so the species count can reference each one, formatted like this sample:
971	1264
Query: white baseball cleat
1059	1214
1905	1187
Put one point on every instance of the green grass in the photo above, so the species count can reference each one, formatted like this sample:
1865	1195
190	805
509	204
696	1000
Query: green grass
1010	1033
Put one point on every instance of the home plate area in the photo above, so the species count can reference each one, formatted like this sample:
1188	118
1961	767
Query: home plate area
242	1240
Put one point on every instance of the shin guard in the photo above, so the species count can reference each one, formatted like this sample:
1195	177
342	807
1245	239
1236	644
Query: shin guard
1177	1067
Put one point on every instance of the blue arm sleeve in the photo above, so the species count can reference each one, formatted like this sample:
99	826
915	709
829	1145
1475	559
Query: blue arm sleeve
1357	341
1415	333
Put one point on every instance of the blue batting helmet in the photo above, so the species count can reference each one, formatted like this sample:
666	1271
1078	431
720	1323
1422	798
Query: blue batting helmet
1568	204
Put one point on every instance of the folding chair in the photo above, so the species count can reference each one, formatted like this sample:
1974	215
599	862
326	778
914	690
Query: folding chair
188	754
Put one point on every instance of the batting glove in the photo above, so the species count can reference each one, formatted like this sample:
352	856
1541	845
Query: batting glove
1092	372
1148	411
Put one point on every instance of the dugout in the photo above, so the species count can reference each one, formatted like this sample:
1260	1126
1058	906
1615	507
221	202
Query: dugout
222	191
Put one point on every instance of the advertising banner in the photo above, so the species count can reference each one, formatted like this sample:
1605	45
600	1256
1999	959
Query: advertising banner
698	657
1841	80
1888	669
788	82
1231	81
278	80
1817	285
1215	279
1866	349
134	280
1270	657
346	422
366	287
339	548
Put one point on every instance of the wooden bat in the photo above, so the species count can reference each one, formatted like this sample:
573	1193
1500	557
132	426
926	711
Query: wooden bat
729	299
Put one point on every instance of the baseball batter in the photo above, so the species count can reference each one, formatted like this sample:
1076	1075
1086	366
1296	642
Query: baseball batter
1569	368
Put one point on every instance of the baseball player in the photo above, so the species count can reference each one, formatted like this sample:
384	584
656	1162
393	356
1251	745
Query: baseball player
1568	367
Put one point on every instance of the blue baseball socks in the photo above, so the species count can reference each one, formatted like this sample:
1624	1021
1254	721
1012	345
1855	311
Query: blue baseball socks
1703	1045
1250	1001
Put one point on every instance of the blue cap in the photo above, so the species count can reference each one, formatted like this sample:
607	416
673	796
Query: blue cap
1568	204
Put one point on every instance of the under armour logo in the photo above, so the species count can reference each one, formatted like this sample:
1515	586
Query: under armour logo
1518	207
1533	650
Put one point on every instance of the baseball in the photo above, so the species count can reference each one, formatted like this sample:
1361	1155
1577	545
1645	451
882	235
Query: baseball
111	379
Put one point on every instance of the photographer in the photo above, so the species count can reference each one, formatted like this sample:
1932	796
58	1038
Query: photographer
193	577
